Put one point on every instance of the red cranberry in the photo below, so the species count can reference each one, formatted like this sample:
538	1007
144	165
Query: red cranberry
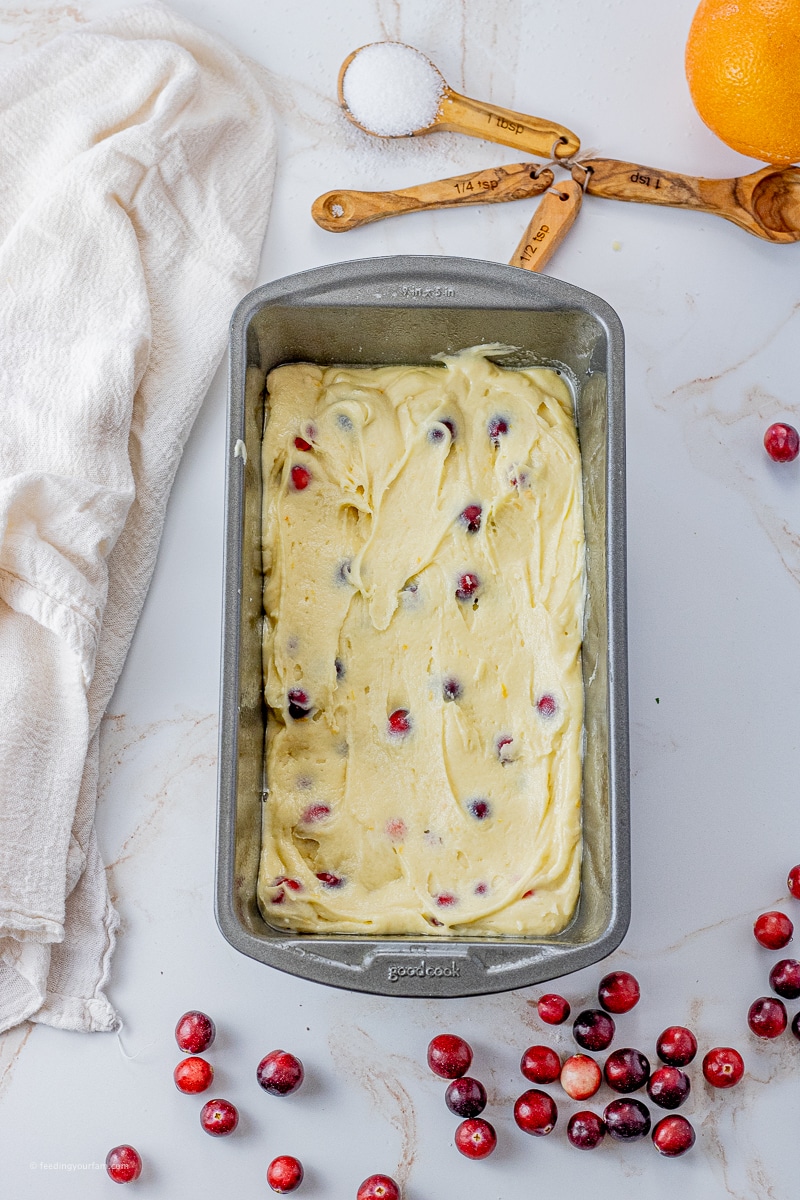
328	879
299	704
767	1017
124	1164
301	478
468	585
476	1138
219	1117
626	1070
793	882
677	1046
673	1136
505	754
280	1073
586	1130
466	1097
580	1077
399	722
546	706
796	1025
723	1067
618	992
627	1120
446	900
302	444
314	813
195	1032
593	1029
480	809
451	689
535	1112
396	829
773	930
782	442
540	1064
378	1187
471	516
784	978
552	1009
193	1075
497	427
284	1174
668	1087
449	1056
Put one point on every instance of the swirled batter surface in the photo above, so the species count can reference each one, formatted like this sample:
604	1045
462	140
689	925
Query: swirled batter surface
424	557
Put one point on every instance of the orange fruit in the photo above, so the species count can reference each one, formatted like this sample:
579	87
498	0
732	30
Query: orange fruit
743	68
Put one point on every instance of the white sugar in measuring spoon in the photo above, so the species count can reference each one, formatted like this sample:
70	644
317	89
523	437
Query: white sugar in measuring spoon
390	89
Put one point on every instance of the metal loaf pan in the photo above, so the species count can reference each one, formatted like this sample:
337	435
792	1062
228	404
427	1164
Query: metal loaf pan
406	310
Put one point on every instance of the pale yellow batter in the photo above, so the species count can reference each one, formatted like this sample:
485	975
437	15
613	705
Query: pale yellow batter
424	557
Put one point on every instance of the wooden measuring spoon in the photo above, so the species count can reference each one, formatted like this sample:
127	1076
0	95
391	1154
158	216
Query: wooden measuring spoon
554	217
342	210
766	203
459	114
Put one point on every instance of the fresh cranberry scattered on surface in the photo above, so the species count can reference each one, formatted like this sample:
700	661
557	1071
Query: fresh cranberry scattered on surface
302	444
195	1032
301	478
123	1164
668	1087
540	1064
580	1077
673	1136
193	1075
618	992
329	879
480	809
773	930
593	1029
451	689
552	1009
627	1120
723	1067
784	978
299	704
626	1070
796	1025
466	1097
793	882
280	1073
782	442
378	1187
219	1117
468	585
471	516
767	1017
497	427
449	1056
399	722
285	1174
586	1130
475	1138
546	706
535	1112
676	1046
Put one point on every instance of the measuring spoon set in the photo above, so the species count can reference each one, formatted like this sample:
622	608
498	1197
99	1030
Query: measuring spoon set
765	203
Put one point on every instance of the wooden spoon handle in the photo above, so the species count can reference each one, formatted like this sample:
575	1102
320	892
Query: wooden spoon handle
618	180
554	217
532	135
342	210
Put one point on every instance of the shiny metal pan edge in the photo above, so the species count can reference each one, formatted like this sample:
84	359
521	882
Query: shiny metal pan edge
408	309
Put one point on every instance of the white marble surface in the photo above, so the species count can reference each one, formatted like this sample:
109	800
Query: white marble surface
712	318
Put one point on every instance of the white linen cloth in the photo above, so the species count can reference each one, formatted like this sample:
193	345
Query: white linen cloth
136	165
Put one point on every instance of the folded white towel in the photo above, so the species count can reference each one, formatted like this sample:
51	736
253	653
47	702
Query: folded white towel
136	166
